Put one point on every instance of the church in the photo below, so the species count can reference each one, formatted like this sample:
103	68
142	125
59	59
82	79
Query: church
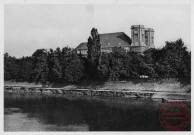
141	40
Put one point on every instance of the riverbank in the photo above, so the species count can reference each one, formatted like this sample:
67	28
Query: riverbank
167	89
156	85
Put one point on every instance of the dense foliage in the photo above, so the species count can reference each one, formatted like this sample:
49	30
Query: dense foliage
45	66
65	65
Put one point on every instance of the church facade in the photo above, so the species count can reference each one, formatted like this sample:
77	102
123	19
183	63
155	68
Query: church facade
141	40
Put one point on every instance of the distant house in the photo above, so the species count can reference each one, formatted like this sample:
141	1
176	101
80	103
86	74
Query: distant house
142	39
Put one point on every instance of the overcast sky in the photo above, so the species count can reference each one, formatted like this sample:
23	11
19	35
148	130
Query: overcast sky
31	27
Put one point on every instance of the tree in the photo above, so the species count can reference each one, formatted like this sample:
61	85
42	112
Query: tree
103	67
94	52
25	69
7	75
11	67
64	56
116	63
174	55
55	70
41	69
171	61
74	69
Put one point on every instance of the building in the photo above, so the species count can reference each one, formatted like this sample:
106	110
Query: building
141	40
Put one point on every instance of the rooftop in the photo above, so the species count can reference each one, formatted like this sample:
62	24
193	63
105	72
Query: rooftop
109	40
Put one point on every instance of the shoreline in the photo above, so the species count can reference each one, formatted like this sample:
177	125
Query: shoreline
166	89
163	95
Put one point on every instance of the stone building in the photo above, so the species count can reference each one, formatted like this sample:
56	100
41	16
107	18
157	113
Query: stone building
141	40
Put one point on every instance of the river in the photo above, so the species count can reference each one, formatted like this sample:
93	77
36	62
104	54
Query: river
36	112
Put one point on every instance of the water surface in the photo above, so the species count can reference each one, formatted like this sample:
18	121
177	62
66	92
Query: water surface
34	112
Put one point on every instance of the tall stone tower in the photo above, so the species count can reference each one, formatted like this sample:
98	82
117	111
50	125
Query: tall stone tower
149	37
142	38
137	35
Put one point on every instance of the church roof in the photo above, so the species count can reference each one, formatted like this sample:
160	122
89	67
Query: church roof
109	40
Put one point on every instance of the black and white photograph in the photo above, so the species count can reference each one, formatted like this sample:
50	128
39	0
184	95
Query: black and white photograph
97	66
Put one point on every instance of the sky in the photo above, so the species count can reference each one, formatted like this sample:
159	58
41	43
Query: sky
28	27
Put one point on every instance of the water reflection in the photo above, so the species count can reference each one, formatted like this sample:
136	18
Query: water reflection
56	113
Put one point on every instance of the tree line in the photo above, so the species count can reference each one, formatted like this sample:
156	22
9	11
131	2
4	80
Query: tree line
59	65
65	65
